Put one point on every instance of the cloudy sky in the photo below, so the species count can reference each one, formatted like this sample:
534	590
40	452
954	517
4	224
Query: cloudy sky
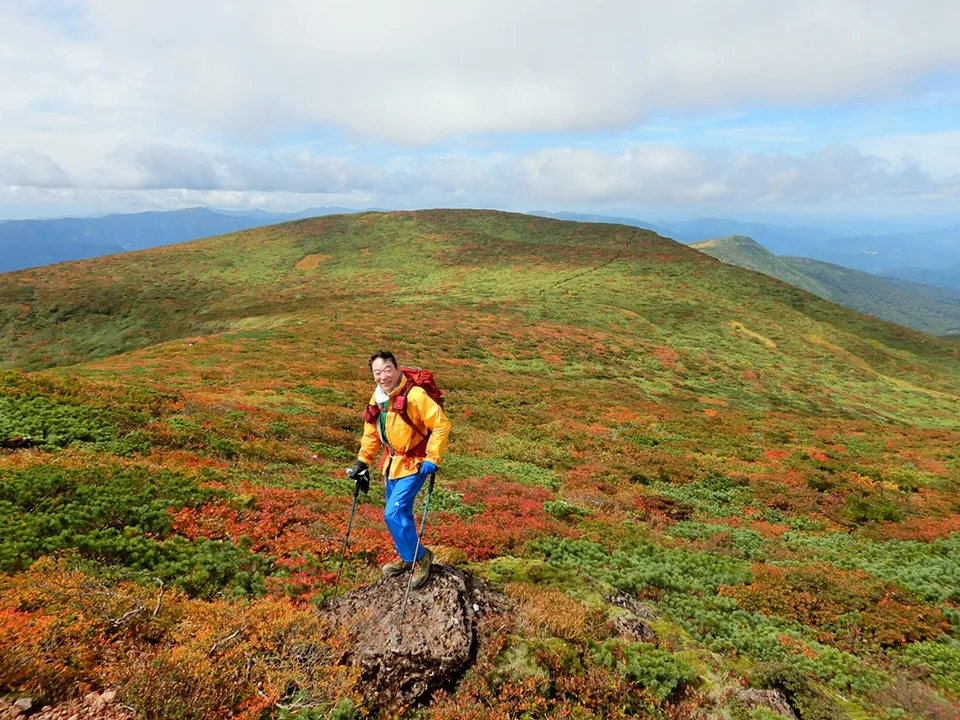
654	109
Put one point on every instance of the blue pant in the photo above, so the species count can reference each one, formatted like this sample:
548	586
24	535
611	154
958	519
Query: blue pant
399	513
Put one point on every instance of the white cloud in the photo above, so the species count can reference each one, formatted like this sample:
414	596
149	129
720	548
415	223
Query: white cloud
669	175
32	168
421	70
122	99
939	152
653	174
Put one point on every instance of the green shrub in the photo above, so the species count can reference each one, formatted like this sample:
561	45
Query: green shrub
638	563
716	495
940	660
279	430
744	543
861	510
647	665
49	413
49	424
564	511
524	473
928	570
723	627
118	515
334	452
326	396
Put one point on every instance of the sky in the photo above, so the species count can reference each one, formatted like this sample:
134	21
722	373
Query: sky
630	107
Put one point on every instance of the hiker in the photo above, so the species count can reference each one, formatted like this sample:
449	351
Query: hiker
412	430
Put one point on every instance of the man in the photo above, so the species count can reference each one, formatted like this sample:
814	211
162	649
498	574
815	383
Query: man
414	432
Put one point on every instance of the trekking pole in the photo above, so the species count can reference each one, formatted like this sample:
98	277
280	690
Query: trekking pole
423	524
346	539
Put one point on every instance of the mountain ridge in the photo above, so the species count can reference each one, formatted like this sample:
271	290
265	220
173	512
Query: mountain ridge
33	243
919	306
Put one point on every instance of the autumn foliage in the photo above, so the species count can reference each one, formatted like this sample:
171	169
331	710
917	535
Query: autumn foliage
643	438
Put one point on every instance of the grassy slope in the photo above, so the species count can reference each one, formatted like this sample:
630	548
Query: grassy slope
695	419
930	309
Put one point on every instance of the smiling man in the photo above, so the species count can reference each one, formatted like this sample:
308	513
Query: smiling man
412	429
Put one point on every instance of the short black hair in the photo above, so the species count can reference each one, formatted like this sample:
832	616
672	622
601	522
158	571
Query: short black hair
383	355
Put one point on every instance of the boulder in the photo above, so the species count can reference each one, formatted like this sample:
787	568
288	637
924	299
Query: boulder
405	662
773	700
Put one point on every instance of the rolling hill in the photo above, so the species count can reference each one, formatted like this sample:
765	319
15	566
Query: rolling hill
930	309
33	243
700	492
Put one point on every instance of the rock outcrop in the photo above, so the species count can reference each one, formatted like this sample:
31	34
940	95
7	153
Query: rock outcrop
772	700
404	662
93	706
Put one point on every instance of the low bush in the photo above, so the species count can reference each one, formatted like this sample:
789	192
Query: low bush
50	413
63	623
119	515
638	563
940	661
564	511
860	510
927	570
846	607
646	665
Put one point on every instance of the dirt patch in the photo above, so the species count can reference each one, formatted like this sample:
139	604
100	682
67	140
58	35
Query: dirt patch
703	245
310	262
629	313
765	341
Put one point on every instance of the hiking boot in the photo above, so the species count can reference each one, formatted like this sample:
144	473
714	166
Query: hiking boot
397	567
421	571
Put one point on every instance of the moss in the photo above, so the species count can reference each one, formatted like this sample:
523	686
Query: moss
518	661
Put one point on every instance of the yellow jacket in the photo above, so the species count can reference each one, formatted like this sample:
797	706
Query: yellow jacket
425	414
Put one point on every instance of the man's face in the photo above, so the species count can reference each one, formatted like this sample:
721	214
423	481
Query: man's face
386	374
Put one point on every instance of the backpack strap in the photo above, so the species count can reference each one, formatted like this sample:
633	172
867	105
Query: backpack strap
399	406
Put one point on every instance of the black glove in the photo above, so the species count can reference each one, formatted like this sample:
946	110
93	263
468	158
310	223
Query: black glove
360	474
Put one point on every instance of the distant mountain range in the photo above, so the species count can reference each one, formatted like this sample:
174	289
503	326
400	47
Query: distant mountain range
948	277
923	307
31	243
930	256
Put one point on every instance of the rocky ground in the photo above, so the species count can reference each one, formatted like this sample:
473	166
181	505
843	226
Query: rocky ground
93	706
403	661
